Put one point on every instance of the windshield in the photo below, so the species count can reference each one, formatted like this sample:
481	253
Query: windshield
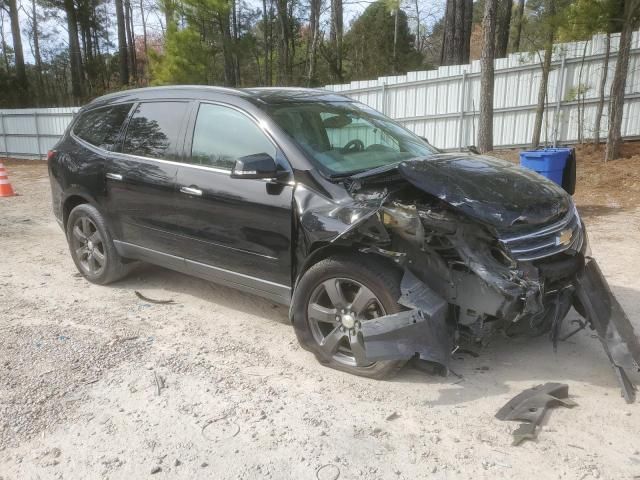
344	138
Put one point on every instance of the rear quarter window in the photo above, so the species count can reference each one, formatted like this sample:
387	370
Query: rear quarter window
100	127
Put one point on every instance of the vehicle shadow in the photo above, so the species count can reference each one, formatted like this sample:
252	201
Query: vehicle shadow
531	361
147	277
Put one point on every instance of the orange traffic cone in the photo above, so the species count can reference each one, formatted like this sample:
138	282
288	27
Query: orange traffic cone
5	186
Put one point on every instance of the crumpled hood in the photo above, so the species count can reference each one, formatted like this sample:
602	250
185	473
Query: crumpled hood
490	190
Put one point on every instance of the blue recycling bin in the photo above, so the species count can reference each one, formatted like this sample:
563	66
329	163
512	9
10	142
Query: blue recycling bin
548	162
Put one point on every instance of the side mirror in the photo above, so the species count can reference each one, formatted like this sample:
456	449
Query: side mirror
260	165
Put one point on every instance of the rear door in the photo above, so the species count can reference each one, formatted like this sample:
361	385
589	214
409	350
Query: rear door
240	227
141	177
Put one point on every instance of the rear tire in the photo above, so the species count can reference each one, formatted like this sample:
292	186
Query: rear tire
91	246
335	294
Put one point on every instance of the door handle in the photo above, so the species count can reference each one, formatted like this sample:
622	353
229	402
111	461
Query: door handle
114	176
191	191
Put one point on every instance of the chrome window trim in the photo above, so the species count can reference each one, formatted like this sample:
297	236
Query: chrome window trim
185	164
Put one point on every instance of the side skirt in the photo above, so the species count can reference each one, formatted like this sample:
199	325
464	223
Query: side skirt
273	291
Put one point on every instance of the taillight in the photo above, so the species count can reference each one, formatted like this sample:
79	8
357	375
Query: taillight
50	155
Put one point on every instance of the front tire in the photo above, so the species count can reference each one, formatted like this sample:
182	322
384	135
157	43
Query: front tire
331	301
92	247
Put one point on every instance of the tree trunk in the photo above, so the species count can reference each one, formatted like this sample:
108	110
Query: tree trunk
457	33
447	52
145	42
416	6
234	43
36	52
519	21
266	25
314	25
5	48
122	44
227	49
468	26
581	95
616	101
75	56
131	53
169	9
603	81
283	44
395	41
544	81
503	27
21	72
485	127
335	36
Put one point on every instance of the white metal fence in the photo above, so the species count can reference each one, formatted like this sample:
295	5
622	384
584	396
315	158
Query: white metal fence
31	132
441	104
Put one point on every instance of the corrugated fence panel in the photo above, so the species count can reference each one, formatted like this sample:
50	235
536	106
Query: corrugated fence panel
31	132
443	104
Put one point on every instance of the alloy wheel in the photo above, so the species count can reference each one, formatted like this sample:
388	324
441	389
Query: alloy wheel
88	246
336	310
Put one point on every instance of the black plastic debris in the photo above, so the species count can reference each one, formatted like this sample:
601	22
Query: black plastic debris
596	302
530	407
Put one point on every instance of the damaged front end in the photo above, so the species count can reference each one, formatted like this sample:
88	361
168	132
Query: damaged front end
484	249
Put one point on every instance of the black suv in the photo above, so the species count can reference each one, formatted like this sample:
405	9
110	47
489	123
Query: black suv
385	248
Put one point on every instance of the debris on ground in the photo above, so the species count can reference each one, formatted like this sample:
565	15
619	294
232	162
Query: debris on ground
159	383
151	300
530	407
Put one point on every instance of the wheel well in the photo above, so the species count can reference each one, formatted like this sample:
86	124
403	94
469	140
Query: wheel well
69	204
327	251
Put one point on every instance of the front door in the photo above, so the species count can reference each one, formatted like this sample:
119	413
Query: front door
239	230
141	178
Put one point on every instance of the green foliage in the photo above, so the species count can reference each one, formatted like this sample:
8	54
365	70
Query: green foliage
585	18
577	92
185	58
369	43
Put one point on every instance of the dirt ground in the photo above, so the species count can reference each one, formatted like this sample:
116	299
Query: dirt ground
80	367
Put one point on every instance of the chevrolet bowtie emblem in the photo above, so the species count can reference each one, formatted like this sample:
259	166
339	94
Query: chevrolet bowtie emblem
564	238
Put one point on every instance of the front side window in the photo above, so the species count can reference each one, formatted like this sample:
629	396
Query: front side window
100	127
345	138
222	135
154	129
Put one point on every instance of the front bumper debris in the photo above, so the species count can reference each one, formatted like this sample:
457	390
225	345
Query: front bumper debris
595	301
422	330
530	407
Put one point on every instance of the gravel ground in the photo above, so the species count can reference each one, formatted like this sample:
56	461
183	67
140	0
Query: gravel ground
97	383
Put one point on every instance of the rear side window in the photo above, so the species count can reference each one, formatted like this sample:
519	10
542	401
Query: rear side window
100	127
154	128
222	135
